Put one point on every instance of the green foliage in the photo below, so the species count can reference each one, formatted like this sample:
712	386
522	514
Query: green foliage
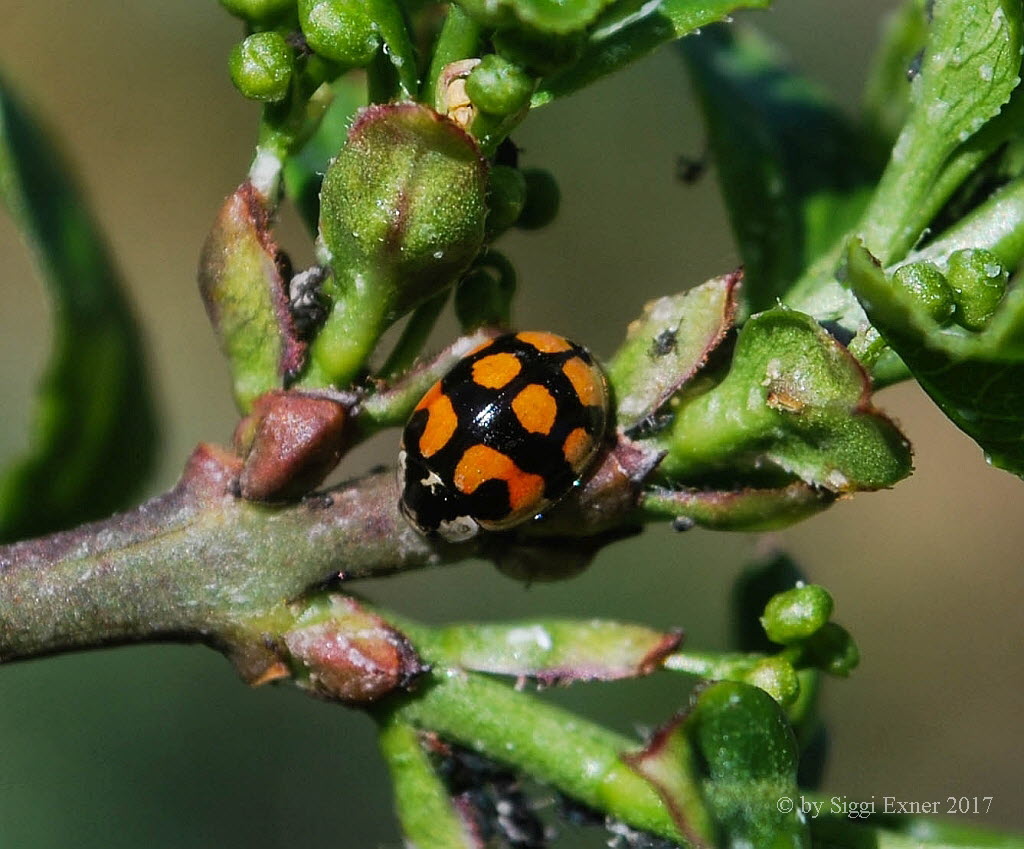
976	378
628	30
791	167
94	431
793	400
742	404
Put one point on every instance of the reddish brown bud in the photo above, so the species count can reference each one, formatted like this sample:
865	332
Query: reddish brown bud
291	442
350	654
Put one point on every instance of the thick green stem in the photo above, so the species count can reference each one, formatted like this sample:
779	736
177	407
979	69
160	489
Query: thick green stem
459	39
421	800
576	757
359	317
414	337
199	564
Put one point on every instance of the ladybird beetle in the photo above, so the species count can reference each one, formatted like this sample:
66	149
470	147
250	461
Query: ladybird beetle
506	433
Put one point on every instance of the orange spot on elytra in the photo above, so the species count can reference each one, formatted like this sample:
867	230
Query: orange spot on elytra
576	447
588	385
546	343
481	463
432	395
535	408
496	370
441	424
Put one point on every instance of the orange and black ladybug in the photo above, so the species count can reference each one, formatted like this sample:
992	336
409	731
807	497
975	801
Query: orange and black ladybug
505	434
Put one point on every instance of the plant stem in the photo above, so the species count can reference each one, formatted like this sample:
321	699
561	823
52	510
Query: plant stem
414	337
459	39
421	800
576	757
200	564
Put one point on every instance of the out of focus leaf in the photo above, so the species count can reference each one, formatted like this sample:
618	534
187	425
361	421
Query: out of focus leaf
976	378
304	171
93	434
546	16
887	91
790	166
630	29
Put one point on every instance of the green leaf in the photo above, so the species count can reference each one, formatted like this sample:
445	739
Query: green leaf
556	650
246	298
668	344
976	378
790	166
750	757
94	433
630	29
970	68
958	116
794	400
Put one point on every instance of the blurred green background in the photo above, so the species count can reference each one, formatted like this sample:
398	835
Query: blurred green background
163	747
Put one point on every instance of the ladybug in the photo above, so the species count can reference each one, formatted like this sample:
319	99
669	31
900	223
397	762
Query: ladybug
507	432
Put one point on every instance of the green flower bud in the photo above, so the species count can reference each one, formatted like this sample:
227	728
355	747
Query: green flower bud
536	52
261	66
498	86
777	677
542	199
796	614
506	197
340	30
833	650
258	11
402	211
484	295
928	287
979	283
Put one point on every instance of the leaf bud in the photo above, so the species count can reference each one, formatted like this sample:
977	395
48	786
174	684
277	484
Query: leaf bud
291	442
978	280
343	652
796	614
261	66
498	86
340	30
927	286
402	212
